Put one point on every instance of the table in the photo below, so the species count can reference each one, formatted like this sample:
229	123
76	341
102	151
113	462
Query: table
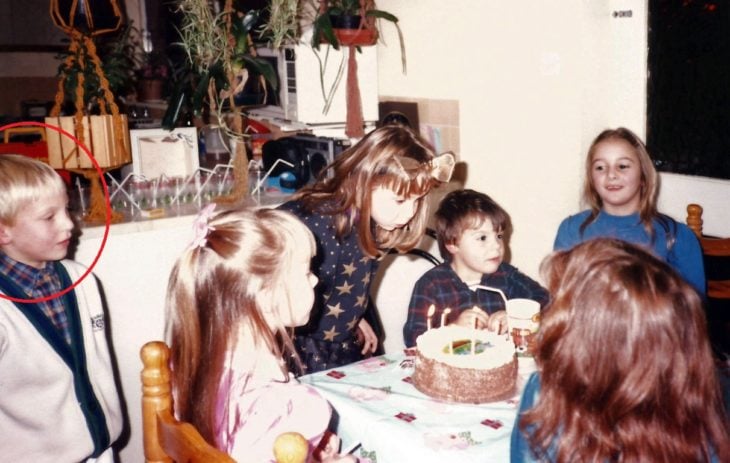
377	406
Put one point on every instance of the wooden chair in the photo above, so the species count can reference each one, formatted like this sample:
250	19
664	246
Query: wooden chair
716	253
165	438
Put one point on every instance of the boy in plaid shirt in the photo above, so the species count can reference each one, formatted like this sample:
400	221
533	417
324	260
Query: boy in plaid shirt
470	228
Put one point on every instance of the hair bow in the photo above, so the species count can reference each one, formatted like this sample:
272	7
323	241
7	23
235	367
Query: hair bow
442	166
201	227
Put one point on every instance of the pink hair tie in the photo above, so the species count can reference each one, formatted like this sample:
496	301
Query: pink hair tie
201	227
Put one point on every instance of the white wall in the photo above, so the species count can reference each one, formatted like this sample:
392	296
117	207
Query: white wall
536	81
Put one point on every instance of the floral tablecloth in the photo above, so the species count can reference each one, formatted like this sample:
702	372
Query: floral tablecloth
379	408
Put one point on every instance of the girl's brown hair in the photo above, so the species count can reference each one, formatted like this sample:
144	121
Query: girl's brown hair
213	291
625	364
391	156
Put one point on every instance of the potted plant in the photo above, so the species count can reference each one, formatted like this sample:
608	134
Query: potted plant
357	21
119	56
350	22
152	76
220	59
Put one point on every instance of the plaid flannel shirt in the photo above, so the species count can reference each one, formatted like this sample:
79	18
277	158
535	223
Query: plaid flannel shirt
38	283
443	288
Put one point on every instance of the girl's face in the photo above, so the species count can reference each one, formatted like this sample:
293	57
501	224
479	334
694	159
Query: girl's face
301	282
390	210
616	176
479	251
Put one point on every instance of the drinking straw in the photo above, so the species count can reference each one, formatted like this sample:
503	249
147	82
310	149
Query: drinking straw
489	288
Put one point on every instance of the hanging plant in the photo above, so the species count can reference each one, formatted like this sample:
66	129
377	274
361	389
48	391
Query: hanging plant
350	23
119	55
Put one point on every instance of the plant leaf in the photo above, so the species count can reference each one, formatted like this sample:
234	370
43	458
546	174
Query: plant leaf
382	15
263	67
324	32
201	92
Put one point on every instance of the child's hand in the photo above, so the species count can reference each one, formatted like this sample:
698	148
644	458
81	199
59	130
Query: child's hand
329	451
467	318
498	322
366	335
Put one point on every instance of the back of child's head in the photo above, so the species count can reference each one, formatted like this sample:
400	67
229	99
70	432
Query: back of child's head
392	156
649	178
463	210
22	181
623	344
239	258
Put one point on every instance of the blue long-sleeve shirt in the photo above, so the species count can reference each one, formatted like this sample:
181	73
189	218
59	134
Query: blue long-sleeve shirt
685	255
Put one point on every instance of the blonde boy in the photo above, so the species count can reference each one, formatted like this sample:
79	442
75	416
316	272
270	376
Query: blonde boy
58	399
471	231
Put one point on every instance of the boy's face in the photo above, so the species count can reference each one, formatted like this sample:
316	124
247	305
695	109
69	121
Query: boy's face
479	251
41	232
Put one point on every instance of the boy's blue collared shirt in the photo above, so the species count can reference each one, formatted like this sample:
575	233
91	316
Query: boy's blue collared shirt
38	283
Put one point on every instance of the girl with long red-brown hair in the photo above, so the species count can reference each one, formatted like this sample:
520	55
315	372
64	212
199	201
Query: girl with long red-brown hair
625	369
371	199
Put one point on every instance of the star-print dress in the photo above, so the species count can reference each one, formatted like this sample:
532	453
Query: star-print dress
341	296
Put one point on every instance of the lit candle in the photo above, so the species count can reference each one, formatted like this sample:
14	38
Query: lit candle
444	316
431	311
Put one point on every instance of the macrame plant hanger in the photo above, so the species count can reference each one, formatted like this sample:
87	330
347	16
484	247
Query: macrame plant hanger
365	35
82	51
239	156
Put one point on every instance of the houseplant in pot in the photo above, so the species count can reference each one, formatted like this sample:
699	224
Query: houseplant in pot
358	21
153	75
350	22
220	61
119	58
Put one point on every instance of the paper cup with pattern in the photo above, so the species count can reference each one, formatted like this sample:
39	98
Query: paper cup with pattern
523	321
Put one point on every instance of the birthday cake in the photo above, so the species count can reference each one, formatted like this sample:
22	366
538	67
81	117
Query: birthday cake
447	367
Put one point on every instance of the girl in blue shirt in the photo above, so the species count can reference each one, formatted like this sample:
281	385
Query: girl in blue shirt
621	188
625	369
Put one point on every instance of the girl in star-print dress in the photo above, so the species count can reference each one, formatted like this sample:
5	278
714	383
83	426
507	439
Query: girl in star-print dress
369	200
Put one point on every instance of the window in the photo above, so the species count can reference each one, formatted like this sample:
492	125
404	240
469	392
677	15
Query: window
688	109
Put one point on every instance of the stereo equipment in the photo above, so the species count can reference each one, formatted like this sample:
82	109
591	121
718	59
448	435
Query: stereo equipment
309	154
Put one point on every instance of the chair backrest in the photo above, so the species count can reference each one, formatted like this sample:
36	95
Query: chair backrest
165	438
716	253
393	285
